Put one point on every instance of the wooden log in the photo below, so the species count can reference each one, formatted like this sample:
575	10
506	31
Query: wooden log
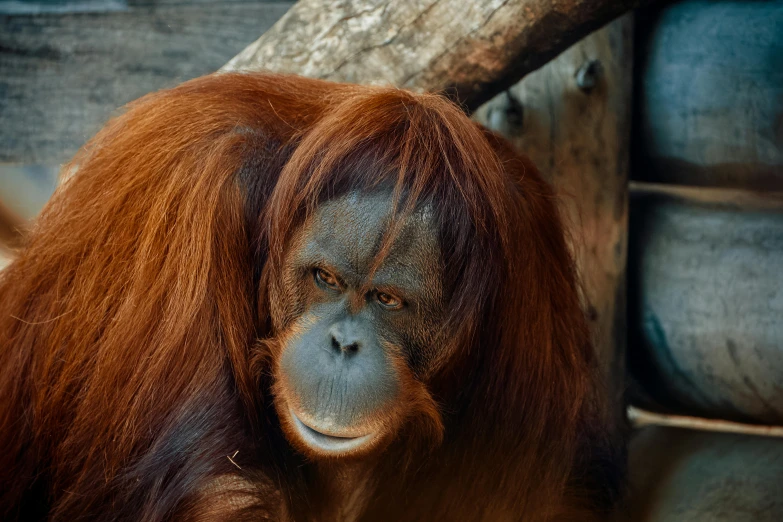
572	117
709	108
472	50
681	475
706	301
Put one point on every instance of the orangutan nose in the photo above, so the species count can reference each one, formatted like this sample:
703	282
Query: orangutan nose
347	337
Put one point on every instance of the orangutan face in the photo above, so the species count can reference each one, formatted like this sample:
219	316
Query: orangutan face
355	338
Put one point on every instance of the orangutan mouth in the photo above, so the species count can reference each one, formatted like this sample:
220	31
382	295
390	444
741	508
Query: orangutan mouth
327	443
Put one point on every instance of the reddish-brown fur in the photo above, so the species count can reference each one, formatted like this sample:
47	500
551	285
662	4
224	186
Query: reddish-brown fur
129	324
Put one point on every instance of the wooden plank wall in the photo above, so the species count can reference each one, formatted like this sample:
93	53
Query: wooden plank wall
62	75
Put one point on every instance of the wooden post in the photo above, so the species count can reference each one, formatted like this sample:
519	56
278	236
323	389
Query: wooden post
572	118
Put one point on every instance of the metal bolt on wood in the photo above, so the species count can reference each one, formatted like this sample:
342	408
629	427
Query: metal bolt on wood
588	74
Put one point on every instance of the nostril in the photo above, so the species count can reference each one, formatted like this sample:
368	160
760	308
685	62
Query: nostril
345	338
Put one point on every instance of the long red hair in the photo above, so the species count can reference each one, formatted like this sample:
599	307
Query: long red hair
130	320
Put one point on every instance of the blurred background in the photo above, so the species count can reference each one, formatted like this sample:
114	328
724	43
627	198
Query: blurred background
66	65
663	133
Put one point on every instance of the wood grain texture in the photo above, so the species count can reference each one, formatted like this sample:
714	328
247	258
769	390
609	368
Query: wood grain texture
472	50
580	141
62	76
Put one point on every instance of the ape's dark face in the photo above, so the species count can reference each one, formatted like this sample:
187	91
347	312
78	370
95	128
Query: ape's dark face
352	342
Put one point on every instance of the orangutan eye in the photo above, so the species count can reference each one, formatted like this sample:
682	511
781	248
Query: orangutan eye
388	300
327	279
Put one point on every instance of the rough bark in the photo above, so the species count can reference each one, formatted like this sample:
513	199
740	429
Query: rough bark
472	50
